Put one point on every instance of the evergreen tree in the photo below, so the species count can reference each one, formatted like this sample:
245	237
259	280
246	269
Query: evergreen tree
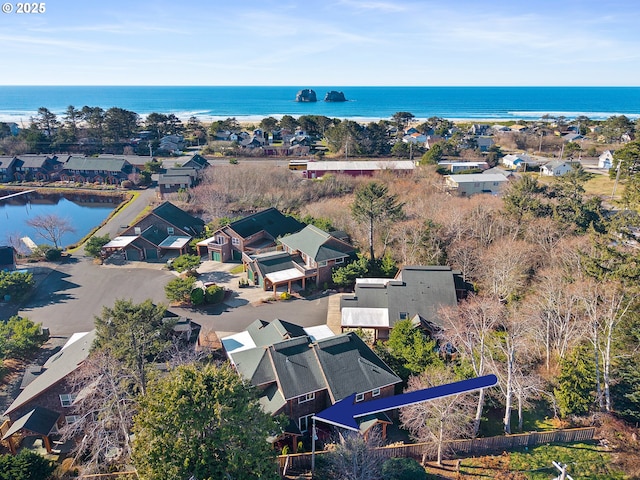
576	382
203	422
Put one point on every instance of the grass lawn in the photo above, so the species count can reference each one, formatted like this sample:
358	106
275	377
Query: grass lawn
237	269
539	418
584	460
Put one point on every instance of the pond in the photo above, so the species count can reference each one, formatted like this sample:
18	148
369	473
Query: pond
83	213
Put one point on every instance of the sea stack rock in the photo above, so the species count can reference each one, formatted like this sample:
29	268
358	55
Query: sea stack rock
306	95
334	96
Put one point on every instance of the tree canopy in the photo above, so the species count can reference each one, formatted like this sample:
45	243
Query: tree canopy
134	334
203	422
373	205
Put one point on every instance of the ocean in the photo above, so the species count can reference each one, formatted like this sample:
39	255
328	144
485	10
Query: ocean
19	103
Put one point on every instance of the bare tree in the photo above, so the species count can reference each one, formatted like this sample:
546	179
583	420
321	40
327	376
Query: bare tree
51	227
511	347
507	268
468	328
353	457
555	306
438	421
105	405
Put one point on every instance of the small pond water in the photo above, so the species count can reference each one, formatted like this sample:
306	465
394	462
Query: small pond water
82	213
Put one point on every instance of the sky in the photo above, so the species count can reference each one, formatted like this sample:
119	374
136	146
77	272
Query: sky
315	42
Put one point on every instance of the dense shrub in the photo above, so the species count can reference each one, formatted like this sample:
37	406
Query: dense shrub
15	284
53	254
179	289
197	296
19	337
186	263
214	294
25	466
94	245
403	469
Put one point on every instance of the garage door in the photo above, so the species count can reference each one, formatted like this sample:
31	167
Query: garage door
133	254
151	254
237	255
216	257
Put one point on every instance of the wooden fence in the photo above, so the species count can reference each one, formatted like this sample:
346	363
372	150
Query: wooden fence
475	446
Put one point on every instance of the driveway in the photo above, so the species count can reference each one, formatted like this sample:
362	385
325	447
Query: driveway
71	294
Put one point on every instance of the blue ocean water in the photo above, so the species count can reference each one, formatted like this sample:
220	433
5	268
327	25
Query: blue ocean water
19	103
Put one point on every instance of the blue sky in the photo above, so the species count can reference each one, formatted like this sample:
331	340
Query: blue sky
334	43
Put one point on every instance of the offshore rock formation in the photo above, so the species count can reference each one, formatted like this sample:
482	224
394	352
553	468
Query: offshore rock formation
306	95
334	96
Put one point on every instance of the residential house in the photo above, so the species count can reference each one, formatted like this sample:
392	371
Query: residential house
471	184
605	160
8	258
251	235
46	399
36	167
558	167
357	168
318	249
416	293
172	143
519	160
197	162
165	231
6	168
509	174
416	138
110	170
480	129
484	143
571	137
455	167
175	179
308	255
432	140
299	375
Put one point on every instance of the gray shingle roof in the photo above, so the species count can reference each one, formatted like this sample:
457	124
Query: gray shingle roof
270	220
57	367
350	366
417	290
92	164
265	333
179	218
39	420
317	244
343	364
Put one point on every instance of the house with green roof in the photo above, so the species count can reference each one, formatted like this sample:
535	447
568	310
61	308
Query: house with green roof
306	256
300	375
251	235
318	249
165	231
110	170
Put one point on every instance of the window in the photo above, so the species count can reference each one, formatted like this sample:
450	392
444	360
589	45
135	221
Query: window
404	315
66	399
359	397
339	260
307	398
220	240
69	419
137	230
375	392
305	422
235	241
323	263
170	230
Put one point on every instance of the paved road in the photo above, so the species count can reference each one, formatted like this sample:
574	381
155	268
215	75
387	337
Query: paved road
126	216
